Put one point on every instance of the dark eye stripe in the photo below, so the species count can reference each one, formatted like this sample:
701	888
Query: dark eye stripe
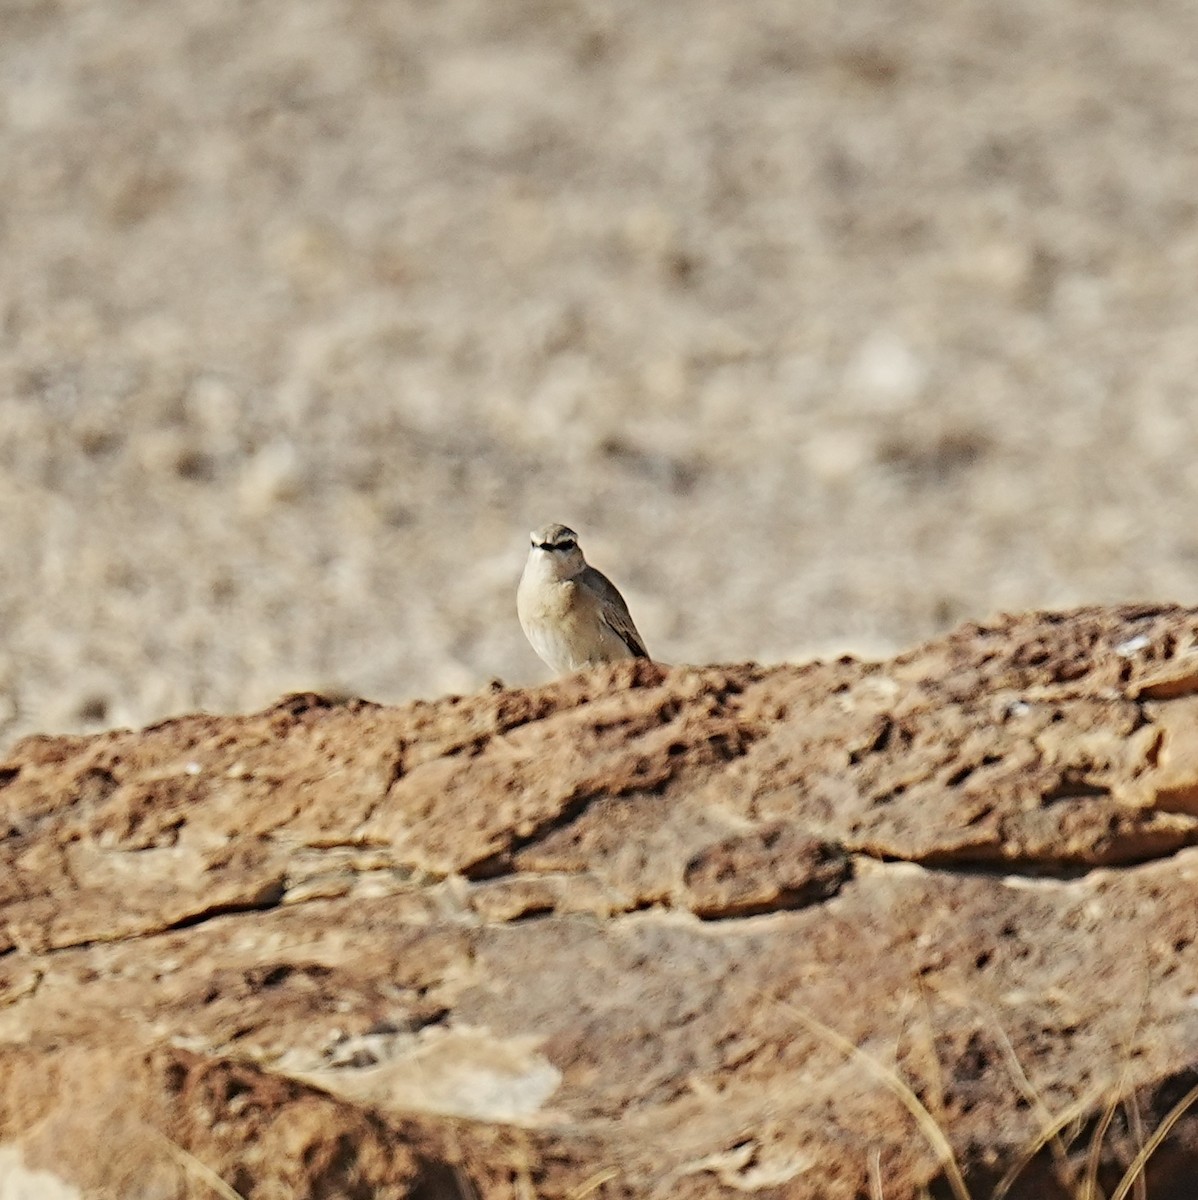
556	545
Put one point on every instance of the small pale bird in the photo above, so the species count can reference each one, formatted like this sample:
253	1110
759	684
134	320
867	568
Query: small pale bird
571	613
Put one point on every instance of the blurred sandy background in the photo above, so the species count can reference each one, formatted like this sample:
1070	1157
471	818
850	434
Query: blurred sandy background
827	325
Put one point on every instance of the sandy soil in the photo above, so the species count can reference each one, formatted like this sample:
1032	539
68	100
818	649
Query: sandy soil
827	326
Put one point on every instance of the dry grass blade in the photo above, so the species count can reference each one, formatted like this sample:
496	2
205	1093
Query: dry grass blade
464	1184
1132	1104
923	1034
1028	1090
875	1175
193	1166
594	1183
1161	1132
1090	1189
1050	1131
903	1093
1135	1123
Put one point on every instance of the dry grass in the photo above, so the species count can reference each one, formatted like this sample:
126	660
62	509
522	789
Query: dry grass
1051	1132
1087	1188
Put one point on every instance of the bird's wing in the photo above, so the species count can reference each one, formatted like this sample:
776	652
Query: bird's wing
615	611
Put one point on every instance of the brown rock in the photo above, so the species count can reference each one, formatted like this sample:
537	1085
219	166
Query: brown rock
772	868
644	932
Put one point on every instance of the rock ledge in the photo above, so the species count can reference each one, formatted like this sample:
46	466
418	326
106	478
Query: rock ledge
616	936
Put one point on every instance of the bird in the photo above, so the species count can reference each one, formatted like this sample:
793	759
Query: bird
572	615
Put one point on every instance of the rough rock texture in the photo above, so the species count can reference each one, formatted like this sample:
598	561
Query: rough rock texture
617	936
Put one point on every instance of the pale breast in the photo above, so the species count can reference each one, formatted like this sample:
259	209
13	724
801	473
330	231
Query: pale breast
564	627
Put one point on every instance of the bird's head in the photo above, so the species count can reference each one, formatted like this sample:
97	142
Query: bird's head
557	547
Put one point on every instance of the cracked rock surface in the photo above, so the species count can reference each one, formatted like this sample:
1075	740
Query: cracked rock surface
616	936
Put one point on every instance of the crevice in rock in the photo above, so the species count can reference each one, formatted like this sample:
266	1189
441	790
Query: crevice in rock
266	899
979	868
539	912
723	746
398	770
788	901
28	992
791	900
1152	755
500	863
980	865
1074	787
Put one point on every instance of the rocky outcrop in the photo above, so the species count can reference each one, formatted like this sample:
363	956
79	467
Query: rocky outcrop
840	930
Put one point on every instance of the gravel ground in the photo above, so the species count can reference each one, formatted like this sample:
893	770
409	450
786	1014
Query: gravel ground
826	325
